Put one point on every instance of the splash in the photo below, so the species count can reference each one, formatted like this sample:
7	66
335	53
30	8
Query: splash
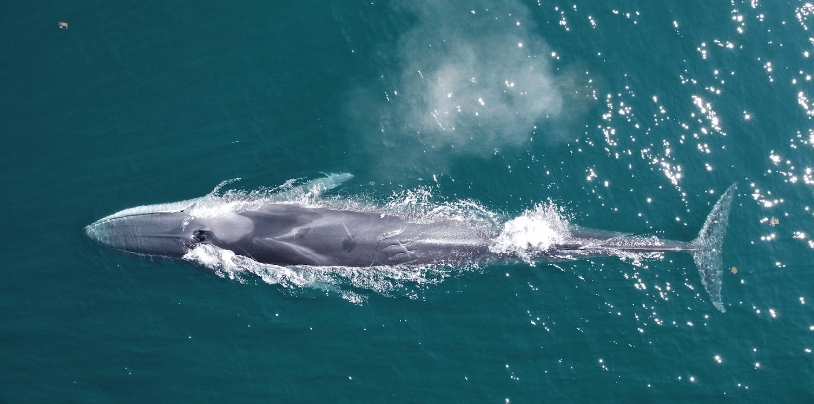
533	233
350	283
298	190
421	206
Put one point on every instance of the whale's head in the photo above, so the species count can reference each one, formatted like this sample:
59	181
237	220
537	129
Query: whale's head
167	230
163	233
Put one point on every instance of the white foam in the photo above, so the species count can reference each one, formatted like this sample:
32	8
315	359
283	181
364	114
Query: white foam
531	234
300	191
350	283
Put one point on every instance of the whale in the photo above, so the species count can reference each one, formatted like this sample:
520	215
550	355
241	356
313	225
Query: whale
292	234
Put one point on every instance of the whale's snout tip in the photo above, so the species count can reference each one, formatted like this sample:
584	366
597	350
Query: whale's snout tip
90	231
101	231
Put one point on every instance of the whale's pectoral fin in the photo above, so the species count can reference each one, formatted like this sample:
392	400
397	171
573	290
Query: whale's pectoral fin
294	253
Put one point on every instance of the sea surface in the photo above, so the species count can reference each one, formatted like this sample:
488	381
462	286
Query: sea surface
630	116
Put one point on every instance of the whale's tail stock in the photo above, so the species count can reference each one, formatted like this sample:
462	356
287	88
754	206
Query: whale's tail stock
707	247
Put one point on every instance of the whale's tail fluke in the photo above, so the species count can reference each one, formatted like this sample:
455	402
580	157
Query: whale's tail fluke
708	247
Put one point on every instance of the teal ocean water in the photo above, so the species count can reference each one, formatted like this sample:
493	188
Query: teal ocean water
630	116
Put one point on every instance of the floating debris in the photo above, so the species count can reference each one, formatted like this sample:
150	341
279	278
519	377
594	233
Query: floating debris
63	24
774	222
734	270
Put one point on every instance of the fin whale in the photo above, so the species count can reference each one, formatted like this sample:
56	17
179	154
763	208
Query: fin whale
292	234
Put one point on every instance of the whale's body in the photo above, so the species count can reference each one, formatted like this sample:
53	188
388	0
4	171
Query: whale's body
293	234
290	234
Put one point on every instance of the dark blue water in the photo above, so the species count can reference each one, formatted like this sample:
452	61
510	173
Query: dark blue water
633	116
